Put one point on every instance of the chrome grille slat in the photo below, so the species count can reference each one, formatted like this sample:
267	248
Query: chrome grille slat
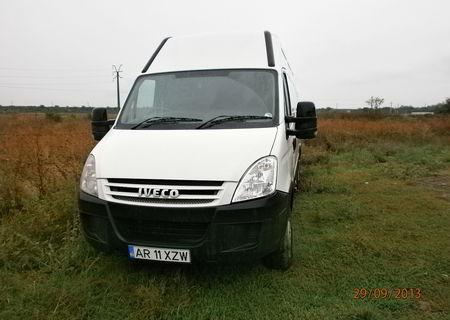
160	186
186	196
166	182
163	201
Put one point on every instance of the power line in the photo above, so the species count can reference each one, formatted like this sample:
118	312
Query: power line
55	77
49	69
51	89
87	83
116	73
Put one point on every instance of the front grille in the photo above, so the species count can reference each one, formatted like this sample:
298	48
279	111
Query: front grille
190	192
161	231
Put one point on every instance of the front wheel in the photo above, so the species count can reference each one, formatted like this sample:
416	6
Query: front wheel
282	258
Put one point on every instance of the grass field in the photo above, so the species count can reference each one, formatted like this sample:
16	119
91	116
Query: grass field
374	212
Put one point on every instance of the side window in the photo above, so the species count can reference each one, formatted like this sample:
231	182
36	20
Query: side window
293	94
287	99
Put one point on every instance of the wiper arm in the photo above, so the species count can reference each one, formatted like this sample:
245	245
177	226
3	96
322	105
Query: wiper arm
223	118
150	121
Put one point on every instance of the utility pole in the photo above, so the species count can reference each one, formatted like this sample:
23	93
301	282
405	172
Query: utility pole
116	74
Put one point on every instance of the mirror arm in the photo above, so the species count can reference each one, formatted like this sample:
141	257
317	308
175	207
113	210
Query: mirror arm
100	123
290	119
109	122
301	131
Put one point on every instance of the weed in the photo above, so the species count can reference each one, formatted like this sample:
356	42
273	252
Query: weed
56	117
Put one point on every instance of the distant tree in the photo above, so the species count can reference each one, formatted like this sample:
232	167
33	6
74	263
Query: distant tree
446	106
375	102
405	109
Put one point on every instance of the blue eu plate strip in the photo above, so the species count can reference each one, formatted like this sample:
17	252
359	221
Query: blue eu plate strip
131	251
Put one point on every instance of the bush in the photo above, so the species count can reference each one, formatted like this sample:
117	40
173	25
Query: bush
56	117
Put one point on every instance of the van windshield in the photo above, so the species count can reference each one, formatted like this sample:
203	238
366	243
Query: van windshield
191	99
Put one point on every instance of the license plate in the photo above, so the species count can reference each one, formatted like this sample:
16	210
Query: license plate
159	254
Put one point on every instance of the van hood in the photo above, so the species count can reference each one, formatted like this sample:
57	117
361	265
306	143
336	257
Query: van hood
212	154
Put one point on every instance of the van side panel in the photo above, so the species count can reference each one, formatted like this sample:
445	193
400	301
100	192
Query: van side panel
294	100
282	149
285	164
286	148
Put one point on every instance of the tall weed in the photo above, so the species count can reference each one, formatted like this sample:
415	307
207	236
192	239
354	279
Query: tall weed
38	157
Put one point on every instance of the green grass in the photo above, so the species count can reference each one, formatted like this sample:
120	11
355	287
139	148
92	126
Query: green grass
366	218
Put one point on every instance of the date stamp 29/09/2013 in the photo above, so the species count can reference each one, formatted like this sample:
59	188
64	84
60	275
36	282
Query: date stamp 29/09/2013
385	293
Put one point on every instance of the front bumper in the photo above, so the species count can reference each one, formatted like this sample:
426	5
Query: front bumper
236	232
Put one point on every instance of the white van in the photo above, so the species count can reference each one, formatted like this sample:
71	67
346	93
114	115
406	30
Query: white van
201	162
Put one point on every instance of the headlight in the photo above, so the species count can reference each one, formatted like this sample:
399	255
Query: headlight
88	181
258	181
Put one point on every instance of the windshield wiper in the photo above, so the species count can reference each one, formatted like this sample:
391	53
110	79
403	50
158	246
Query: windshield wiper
223	118
150	121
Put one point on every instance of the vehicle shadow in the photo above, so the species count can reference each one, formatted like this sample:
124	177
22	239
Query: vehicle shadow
196	271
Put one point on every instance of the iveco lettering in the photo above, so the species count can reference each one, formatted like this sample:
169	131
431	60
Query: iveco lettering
165	193
200	165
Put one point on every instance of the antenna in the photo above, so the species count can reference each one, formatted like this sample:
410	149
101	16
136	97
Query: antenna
116	74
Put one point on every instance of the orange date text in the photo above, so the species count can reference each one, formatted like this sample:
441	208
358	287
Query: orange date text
385	293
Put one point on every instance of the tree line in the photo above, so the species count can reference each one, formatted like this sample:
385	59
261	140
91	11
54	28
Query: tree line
374	104
53	109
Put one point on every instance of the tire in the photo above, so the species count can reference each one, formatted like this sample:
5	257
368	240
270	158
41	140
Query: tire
282	258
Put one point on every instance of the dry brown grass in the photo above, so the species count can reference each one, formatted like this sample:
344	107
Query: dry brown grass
39	156
353	133
401	126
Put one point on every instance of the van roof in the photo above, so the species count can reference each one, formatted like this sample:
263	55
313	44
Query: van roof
216	51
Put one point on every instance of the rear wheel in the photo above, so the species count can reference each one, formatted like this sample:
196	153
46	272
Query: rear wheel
282	258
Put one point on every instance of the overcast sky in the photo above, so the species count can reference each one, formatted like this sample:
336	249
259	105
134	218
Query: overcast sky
342	51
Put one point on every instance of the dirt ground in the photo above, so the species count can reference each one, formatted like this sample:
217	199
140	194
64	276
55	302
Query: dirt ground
440	183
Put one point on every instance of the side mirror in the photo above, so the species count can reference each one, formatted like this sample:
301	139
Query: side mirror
305	121
100	123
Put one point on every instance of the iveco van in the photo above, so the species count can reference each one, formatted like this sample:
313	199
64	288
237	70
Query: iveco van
200	164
